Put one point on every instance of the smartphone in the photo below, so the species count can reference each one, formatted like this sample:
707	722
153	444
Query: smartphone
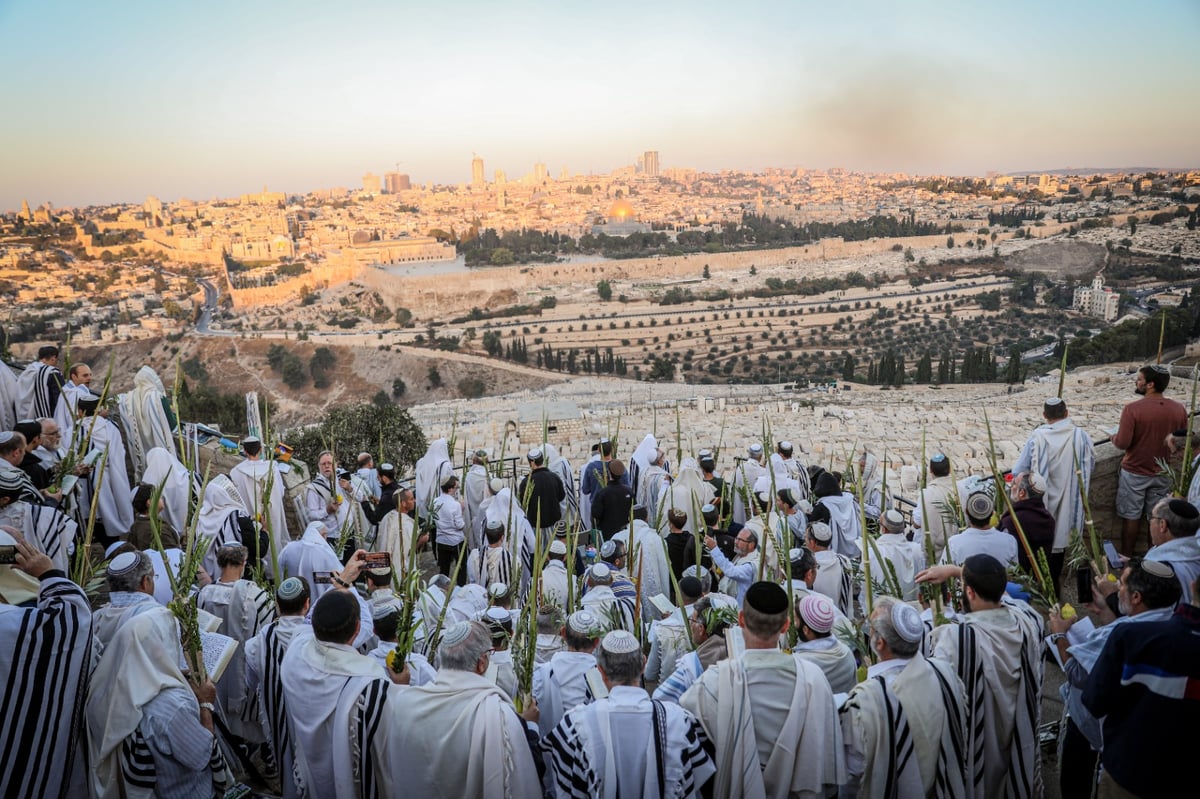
1083	584
8	553
378	560
323	578
1114	559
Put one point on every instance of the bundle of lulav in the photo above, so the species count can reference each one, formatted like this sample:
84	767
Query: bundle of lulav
525	633
410	593
83	568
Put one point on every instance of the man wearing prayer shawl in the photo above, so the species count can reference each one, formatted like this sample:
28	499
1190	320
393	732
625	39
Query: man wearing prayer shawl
871	477
469	741
558	464
223	519
906	557
326	497
432	468
475	490
39	389
996	649
130	579
708	621
145	417
308	556
554	581
336	703
1053	450
833	577
745	475
650	569
818	644
254	478
8	397
45	655
770	714
163	468
264	661
843	519
45	528
615	612
396	531
743	571
560	684
493	563
904	727
689	493
244	609
627	744
782	460
150	730
519	537
109	488
1173	527
938	506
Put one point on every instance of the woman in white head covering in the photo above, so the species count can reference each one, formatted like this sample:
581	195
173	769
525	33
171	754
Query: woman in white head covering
220	520
146	730
431	469
163	468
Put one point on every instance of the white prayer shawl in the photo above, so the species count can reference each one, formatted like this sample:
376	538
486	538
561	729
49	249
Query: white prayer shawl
773	720
834	580
396	534
655	483
488	566
652	569
68	403
772	531
906	559
337	707
45	657
689	493
561	685
997	655
1052	451
846	523
421	673
46	529
628	745
874	502
217	522
163	468
908	727
519	537
122	606
475	490
639	461
8	399
50	458
264	660
140	662
244	609
556	463
936	512
251	478
614	613
144	417
470	742
833	658
501	672
548	645
431	469
1184	556
309	555
554	584
115	511
745	475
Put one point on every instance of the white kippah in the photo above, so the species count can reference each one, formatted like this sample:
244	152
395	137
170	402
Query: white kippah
620	642
495	524
709	508
113	547
821	531
5	436
1158	568
699	572
383	611
795	553
583	622
386	467
608	549
785	445
1054	401
1037	482
251	440
705	454
289	589
496	484
907	622
457	633
756	448
535	454
600	571
497	590
558	547
498	615
123	563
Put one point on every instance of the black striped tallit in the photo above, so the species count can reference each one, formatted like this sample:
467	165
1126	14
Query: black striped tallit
137	762
970	671
943	786
368	713
273	704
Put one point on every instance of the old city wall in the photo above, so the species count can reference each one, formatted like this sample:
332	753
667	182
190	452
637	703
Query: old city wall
318	276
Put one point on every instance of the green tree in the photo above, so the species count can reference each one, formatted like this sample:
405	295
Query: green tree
435	377
381	399
399	387
1132	220
707	272
848	368
319	365
404	317
604	289
949	242
293	372
360	428
471	387
502	256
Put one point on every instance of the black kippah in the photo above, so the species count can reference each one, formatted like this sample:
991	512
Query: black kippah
983	566
768	598
690	587
1183	509
333	611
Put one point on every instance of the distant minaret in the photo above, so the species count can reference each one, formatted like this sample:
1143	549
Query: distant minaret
26	214
477	178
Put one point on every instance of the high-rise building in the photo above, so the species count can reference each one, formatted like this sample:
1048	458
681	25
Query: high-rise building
372	183
540	172
477	178
396	182
650	163
501	177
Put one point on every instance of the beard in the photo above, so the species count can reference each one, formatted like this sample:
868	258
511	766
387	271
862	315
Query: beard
1140	391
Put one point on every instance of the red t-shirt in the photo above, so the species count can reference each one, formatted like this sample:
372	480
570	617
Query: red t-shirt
1145	425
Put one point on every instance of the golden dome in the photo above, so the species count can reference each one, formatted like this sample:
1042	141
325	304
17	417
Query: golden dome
621	211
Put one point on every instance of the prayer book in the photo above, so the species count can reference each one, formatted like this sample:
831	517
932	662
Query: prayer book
217	650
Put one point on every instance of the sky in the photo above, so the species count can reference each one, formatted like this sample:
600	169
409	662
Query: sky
111	102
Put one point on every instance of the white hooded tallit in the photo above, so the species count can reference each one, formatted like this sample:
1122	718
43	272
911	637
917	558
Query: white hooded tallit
688	493
163	468
145	418
218	519
431	469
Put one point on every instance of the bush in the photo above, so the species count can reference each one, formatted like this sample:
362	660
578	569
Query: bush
471	387
361	428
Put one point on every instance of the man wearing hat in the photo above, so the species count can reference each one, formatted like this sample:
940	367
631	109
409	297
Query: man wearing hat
935	514
129	576
387	618
475	491
783	460
500	666
742	572
669	634
839	509
1173	527
910	712
781	736
375	508
818	644
653	570
470	740
996	650
833	578
264	658
541	491
243	609
906	557
611	505
493	563
1027	491
555	580
1145	426
745	475
1052	452
46	659
980	537
561	684
252	478
650	748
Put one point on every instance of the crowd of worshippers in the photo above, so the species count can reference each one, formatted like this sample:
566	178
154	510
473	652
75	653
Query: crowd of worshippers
705	628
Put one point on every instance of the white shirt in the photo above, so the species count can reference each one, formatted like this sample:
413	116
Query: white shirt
972	541
449	519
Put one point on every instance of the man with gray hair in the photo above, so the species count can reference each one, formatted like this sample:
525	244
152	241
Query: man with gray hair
561	684
1173	526
909	712
130	578
656	748
745	475
470	741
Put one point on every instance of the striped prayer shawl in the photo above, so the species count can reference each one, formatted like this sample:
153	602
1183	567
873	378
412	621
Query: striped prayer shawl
368	712
54	533
45	655
950	778
140	775
272	704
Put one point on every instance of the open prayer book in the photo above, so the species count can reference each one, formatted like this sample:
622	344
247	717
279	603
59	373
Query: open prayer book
217	650
1076	634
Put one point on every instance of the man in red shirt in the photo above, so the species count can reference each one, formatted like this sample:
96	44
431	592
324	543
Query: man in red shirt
1145	425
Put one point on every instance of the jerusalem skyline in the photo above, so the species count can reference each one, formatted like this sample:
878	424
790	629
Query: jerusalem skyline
114	104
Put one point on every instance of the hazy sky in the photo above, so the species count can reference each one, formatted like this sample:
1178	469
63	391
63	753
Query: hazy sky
112	101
